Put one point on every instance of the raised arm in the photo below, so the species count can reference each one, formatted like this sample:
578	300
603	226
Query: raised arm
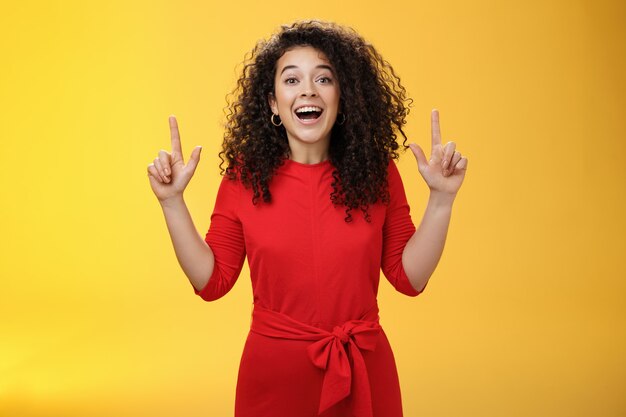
444	174
169	177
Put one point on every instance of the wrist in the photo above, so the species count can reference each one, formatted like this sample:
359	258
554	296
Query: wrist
172	202
441	199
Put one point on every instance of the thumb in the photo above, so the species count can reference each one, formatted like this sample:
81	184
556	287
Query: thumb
194	159
422	162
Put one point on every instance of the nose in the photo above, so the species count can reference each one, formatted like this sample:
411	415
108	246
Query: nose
308	89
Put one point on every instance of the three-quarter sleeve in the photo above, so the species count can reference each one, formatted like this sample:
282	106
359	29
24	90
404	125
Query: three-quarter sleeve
226	240
397	230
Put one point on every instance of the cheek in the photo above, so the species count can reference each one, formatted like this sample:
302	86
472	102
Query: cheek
335	101
335	97
284	98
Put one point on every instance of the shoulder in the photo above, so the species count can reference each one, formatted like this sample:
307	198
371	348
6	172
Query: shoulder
229	188
232	177
391	166
393	174
395	186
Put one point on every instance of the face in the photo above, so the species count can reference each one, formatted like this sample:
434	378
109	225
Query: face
306	97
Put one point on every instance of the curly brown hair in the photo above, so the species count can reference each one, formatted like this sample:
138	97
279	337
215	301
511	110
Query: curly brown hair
372	99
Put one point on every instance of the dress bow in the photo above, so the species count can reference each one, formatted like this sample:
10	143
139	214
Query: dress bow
343	367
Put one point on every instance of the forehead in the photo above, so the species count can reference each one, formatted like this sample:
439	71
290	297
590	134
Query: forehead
302	57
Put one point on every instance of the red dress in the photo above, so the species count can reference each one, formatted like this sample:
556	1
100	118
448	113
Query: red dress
315	346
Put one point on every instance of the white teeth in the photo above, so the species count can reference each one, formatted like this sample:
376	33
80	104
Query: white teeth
308	108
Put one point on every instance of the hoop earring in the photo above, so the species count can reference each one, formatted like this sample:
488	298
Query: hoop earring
273	122
343	120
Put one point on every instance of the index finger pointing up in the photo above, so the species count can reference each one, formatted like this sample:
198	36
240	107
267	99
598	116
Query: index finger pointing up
176	147
434	127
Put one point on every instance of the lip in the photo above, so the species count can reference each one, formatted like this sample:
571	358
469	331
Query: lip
307	105
308	121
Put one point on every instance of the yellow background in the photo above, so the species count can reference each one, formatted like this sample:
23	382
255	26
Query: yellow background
525	315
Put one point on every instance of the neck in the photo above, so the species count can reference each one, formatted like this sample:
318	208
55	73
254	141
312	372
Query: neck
308	154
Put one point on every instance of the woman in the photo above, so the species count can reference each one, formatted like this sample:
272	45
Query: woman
314	200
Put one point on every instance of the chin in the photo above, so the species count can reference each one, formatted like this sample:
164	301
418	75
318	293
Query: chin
312	139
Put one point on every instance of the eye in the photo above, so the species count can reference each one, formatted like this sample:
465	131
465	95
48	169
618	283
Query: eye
325	80
291	80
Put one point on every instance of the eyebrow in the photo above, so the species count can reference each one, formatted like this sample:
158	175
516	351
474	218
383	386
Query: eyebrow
319	66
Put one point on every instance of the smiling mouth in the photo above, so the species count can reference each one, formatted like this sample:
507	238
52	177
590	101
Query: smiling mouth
308	113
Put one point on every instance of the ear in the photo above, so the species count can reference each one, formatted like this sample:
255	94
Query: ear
272	102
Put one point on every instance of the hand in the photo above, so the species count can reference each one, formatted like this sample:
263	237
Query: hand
445	170
168	173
